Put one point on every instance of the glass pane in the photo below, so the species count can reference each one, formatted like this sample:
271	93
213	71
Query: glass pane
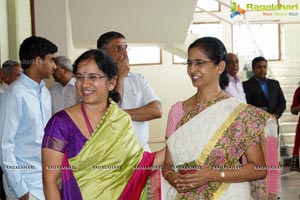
256	40
178	60
144	55
209	5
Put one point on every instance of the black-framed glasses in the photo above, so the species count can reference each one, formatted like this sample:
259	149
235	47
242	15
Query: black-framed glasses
196	63
119	48
91	77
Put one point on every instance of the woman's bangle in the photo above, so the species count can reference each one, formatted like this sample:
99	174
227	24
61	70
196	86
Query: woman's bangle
168	172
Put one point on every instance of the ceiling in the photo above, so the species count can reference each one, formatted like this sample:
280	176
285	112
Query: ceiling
141	21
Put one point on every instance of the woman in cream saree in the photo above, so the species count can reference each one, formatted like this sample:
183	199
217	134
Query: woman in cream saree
215	132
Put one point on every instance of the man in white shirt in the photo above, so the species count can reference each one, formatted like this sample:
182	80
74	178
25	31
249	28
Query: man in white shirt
138	98
63	93
25	110
11	71
235	86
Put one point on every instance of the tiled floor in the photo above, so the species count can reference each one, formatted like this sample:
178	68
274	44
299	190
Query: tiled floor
290	185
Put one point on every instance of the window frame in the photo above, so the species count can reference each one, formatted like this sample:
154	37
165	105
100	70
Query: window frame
261	23
150	63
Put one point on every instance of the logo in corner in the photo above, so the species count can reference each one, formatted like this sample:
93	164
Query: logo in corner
236	10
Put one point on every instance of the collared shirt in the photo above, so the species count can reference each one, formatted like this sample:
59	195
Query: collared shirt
264	86
63	96
235	88
3	88
25	110
137	93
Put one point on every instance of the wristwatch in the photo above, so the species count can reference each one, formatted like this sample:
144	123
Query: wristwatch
222	175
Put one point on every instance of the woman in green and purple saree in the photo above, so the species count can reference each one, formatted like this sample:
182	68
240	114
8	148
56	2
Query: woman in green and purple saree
218	147
91	148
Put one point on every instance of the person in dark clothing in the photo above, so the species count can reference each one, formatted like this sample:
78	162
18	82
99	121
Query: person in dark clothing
263	92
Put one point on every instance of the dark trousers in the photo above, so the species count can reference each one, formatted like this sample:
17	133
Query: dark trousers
2	193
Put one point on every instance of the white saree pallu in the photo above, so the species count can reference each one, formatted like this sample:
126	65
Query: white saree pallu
195	139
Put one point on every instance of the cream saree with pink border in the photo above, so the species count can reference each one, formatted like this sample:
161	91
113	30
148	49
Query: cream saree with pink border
219	136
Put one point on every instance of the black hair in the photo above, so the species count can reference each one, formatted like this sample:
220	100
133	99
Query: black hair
215	50
105	39
257	60
33	47
104	63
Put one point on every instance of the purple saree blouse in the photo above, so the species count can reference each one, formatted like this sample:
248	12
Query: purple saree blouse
62	135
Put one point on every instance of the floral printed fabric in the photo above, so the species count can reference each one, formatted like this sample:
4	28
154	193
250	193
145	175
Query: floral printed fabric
246	130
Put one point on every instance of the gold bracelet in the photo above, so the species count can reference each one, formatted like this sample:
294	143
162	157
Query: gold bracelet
168	172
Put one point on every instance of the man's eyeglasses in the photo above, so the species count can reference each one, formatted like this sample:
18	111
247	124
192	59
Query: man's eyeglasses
90	77
197	63
119	48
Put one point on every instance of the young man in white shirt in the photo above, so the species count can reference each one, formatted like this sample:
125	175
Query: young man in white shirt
25	110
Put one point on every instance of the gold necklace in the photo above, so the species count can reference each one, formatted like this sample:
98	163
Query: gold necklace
198	101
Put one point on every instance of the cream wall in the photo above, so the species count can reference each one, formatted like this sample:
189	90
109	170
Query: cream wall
51	21
3	32
19	25
15	20
23	20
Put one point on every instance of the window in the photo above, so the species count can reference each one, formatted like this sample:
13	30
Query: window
255	40
141	55
178	59
201	30
208	5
